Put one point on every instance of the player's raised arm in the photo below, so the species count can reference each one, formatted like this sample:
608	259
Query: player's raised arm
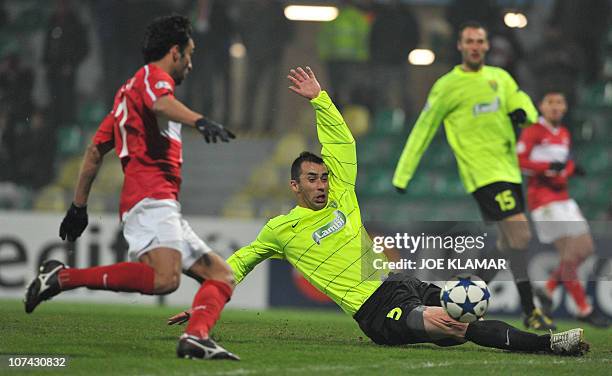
420	137
338	145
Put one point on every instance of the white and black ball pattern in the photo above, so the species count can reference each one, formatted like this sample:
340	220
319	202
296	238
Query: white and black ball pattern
465	297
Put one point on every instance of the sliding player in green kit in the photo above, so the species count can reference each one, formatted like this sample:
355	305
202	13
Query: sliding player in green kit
324	239
478	105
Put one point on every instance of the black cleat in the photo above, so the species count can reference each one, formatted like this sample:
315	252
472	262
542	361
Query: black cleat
539	321
596	319
191	347
44	286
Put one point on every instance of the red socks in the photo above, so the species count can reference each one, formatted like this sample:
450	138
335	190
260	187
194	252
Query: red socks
566	274
207	306
124	276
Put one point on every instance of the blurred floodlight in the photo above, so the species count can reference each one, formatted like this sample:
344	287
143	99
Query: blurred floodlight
237	50
421	56
515	20
310	13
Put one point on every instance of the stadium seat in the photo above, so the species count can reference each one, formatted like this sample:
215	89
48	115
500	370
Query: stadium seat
358	119
70	140
389	122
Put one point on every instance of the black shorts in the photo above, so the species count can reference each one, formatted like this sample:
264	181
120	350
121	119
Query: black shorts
500	200
393	315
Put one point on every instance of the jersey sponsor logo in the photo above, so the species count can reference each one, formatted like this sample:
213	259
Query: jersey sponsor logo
163	85
330	228
395	313
484	108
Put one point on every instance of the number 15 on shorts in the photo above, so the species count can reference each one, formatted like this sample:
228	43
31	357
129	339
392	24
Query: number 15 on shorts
506	200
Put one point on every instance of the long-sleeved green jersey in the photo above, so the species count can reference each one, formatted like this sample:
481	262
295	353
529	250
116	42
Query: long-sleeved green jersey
474	107
329	247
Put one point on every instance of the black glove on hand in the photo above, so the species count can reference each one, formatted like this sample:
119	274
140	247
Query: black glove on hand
211	130
518	117
74	223
556	166
579	171
400	190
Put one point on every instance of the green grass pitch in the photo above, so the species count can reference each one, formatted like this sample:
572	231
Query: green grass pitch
134	340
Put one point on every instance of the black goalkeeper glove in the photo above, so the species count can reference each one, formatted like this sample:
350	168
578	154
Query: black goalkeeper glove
518	117
400	190
556	166
211	130
74	223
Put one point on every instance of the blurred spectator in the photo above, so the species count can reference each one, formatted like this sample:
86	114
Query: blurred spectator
586	26
265	32
35	153
343	44
557	63
66	46
395	32
120	25
6	164
16	84
213	30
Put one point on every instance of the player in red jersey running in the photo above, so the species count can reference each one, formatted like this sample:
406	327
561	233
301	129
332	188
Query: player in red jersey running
544	155
144	128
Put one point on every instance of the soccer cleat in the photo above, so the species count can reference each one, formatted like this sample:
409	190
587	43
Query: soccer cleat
596	319
539	321
44	286
192	347
570	342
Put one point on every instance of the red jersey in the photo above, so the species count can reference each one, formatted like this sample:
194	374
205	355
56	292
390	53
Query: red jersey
150	150
538	146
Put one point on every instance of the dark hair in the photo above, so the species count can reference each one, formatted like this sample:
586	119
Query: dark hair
470	25
551	90
163	33
305	156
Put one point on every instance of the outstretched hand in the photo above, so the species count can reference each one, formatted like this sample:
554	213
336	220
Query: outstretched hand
304	82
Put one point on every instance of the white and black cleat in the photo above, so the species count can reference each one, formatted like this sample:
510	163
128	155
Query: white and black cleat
570	342
44	286
192	347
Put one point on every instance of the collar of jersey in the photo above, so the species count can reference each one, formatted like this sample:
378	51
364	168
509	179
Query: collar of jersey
459	70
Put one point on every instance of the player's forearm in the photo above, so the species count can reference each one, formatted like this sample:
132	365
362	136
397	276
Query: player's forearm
172	109
92	162
418	141
331	127
530	167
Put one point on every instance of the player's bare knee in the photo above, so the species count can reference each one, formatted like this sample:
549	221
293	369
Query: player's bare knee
520	240
167	282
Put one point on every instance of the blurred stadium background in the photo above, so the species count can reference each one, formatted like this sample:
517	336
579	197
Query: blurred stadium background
61	62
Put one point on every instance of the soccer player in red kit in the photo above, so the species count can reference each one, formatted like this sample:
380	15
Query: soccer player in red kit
544	155
144	128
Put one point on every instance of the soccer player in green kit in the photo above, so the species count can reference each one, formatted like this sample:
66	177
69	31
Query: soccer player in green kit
478	105
324	239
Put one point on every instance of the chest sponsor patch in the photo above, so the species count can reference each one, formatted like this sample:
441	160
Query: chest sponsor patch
330	228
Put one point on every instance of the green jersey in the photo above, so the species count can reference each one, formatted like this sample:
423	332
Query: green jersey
329	247
474	107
